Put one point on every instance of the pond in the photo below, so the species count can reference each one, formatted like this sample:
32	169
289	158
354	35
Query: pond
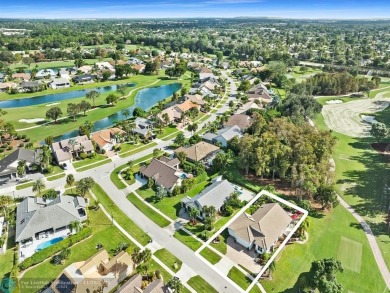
24	102
144	99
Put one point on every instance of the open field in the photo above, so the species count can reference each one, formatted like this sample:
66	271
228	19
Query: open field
325	235
345	117
362	180
350	254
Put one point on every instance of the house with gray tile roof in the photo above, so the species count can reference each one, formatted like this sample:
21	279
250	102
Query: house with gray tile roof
35	215
223	136
64	150
262	229
214	195
9	164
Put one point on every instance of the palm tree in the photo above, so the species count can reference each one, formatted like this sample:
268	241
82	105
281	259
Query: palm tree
193	213
75	226
70	180
5	201
38	186
21	168
126	113
93	95
146	255
45	157
72	142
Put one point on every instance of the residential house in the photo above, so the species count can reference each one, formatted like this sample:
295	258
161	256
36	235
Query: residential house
259	92
134	61
134	285
249	106
21	76
195	99
200	152
140	68
88	276
241	120
186	106
173	114
144	127
167	64
66	149
58	83
205	73
164	171
262	229
83	78
46	73
105	66
5	86
214	195
223	136
30	86
85	69
9	164
36	216
106	139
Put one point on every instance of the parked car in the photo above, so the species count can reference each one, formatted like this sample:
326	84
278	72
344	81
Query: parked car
64	166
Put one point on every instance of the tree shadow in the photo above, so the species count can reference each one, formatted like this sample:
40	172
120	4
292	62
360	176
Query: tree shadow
300	285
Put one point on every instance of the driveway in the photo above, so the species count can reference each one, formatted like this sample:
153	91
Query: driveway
240	255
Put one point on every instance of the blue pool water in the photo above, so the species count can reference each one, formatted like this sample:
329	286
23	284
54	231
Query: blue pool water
49	243
183	176
17	103
144	99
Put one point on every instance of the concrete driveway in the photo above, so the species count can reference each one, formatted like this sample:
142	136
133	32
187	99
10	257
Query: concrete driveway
240	255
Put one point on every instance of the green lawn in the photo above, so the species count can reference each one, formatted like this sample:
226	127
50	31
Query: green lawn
221	246
155	217
24	185
241	280
120	216
200	285
130	149
169	130
170	205
361	177
114	177
210	255
103	232
187	239
7	262
88	161
325	237
55	177
169	259
97	164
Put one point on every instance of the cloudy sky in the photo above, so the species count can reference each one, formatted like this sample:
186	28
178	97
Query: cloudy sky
195	8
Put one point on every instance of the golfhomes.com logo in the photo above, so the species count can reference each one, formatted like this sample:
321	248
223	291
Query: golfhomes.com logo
7	285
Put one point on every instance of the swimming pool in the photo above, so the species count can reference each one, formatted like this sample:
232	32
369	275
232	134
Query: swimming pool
49	243
183	176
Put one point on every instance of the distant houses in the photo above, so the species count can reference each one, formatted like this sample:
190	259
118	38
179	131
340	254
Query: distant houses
200	152
223	136
58	83
9	164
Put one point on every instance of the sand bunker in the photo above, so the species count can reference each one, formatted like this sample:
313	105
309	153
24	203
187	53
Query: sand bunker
369	119
334	102
33	120
52	104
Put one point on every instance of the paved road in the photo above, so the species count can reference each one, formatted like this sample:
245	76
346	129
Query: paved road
372	241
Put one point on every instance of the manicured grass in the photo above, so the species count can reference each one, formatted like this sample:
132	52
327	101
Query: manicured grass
170	205
361	177
135	149
221	246
241	280
153	266
120	216
350	254
103	232
55	177
171	136
200	285
187	239
100	163
7	262
169	259
167	131
88	161
114	177
210	255
155	217
233	175
24	185
325	234
56	170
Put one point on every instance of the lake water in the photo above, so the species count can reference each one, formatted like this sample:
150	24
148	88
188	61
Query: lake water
144	99
24	102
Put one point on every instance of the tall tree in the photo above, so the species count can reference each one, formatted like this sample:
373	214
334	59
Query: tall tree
38	186
93	95
54	113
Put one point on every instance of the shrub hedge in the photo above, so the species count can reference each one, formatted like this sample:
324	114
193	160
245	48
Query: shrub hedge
46	253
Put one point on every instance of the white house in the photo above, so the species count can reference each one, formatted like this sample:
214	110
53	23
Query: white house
59	83
223	136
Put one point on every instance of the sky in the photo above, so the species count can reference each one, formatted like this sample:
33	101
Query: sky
312	9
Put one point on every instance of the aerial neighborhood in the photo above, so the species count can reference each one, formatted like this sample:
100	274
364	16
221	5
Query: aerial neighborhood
194	155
